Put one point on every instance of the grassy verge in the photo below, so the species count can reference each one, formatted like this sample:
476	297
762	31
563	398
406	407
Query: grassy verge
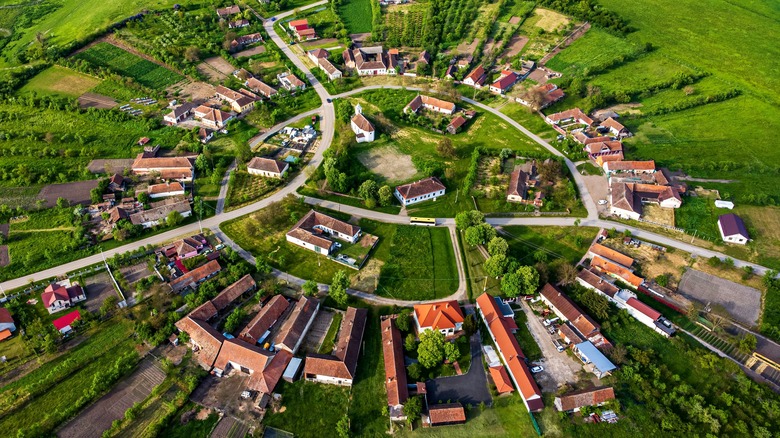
330	337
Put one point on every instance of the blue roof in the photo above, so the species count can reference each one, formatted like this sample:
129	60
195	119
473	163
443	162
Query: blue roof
506	309
291	159
595	356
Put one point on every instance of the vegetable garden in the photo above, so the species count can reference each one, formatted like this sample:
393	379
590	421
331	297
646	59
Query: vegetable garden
127	64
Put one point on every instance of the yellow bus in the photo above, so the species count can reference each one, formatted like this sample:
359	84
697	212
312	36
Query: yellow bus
424	221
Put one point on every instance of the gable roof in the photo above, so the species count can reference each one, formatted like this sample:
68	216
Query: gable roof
267	165
731	224
501	379
230	10
195	275
64	321
242	353
362	123
574	113
265	318
571	311
395	370
260	86
350	337
299	22
613	124
623	197
142	163
477	75
595	280
585	397
5	316
611	254
447	413
507	79
421	187
612	268
232	292
314	218
266	381
568	331
644	308
457	122
422	101
204	312
204	336
614	166
156	189
600	147
319	53
439	316
293	328
517	183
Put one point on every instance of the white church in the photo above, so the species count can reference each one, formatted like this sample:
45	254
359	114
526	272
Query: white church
363	129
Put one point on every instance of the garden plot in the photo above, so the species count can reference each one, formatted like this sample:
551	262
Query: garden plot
389	162
94	100
743	303
257	50
110	165
220	64
549	20
125	63
98	417
60	81
5	259
492	177
76	192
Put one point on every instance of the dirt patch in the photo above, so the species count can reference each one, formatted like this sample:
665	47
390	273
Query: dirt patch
389	162
197	92
94	100
213	74
4	229
258	50
515	45
75	192
468	47
98	288
229	427
659	215
98	417
742	302
624	108
550	20
329	42
136	272
117	165
359	38
515	20
5	259
367	279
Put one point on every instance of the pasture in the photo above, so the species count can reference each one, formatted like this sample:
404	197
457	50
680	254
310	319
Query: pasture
125	63
356	15
60	81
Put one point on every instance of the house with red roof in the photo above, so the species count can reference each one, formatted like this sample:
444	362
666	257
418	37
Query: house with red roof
395	369
476	78
446	414
504	82
62	295
574	401
444	316
63	324
6	323
501	379
418	191
339	368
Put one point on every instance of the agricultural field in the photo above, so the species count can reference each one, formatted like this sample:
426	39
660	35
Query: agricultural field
125	63
431	23
356	15
60	81
245	188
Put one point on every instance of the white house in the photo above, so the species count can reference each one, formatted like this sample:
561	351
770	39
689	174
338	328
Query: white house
444	316
732	229
418	191
310	232
62	295
156	191
267	167
339	367
363	129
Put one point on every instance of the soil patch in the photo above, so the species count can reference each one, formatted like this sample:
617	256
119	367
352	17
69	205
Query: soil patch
136	272
216	68
197	92
98	288
115	165
389	162
5	259
75	192
321	43
367	279
258	50
654	213
94	100
468	48
515	45
316	334
514	20
550	20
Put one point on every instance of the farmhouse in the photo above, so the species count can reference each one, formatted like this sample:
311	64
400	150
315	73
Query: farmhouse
294	329
363	129
339	368
732	229
309	232
228	11
635	167
212	117
6	322
260	87
476	78
566	120
160	211
446	414
542	96
267	167
511	354
205	135
594	360
444	316
179	114
507	79
164	190
649	317
621	259
465	61
184	248
290	82
193	278
604	151
64	324
62	295
418	191
456	124
178	168
317	54
501	379
239	102
627	198
395	370
264	368
566	310
238	24
574	401
587	137
302	30
591	279
245	40
258	328
615	128
330	70
205	340
617	271
425	58
371	61
429	103
520	180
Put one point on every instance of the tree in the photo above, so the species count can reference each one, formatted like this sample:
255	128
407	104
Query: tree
413	409
96	195
192	53
662	280
63	203
410	343
108	305
495	266
310	288
451	352
402	320
549	170
342	427
480	234
567	274
430	352
445	148
498	245
470	325
262	266
174	218
338	288
368	190
747	343
234	320
143	198
385	196
415	371
524	281
466	219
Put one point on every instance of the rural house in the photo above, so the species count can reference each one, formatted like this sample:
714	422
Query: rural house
237	24
64	324
363	129
621	259
156	191
195	277
245	40
418	191
594	360
339	368
6	323
204	339
205	135
181	169
258	329
228	11
732	229
239	102
213	118
429	103
446	414
456	124
504	82
444	316
267	167
395	369
159	212
617	271
330	70
260	87
317	54
476	78
627	198
371	61
511	354
501	379
62	295
574	401
294	329
568	120
633	167
615	128
290	82
179	114
542	96
566	310
265	369
315	230
302	30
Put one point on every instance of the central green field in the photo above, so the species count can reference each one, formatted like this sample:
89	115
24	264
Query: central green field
125	63
356	15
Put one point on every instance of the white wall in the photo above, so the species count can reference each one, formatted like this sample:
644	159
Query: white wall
330	380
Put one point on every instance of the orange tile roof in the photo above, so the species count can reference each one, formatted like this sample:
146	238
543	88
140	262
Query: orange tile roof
439	316
447	414
242	353
205	337
613	166
195	276
586	397
570	311
5	334
395	371
611	254
501	379
232	292
265	318
616	270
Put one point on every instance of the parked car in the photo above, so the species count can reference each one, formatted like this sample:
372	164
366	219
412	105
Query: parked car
549	322
558	345
551	330
537	369
602	202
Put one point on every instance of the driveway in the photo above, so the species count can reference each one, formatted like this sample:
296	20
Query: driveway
559	367
470	388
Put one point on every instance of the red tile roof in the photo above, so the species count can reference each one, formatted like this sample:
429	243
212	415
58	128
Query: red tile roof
447	414
264	319
613	124
457	122
362	122
421	187
477	75
501	379
428	101
506	81
155	189
54	292
5	334
611	268
585	397
395	370
242	353
627	166
5	316
439	316
570	311
295	23
293	328
574	113
267	380
611	254
204	312
64	321
644	308
195	276
592	277
232	292
267	165
208	340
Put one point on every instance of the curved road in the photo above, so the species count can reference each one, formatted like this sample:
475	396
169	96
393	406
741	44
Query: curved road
327	126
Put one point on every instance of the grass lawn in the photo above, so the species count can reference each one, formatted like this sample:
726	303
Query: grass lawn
125	63
474	264
330	337
356	15
589	169
527	342
566	243
522	115
60	81
14	351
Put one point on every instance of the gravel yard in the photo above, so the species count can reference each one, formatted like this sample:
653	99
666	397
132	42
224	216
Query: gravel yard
743	303
98	288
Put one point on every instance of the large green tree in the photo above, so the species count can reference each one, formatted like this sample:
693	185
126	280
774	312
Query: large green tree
466	219
523	281
430	352
495	266
498	245
338	287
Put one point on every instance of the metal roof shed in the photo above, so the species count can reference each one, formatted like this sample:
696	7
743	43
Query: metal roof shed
589	354
292	370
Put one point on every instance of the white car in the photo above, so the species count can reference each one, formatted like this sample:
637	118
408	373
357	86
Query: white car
537	369
602	202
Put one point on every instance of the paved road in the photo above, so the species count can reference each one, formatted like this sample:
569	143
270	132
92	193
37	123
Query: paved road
223	189
470	388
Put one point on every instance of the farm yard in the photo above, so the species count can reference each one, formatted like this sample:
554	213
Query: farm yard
125	63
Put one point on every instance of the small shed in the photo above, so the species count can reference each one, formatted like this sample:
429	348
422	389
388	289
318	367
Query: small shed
293	370
724	204
590	355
